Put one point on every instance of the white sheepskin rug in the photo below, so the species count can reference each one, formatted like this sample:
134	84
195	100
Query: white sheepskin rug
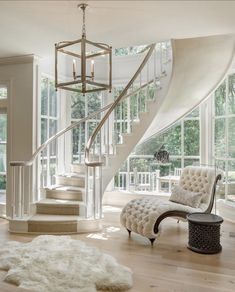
62	264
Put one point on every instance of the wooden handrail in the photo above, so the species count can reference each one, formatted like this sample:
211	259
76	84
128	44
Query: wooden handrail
74	125
112	107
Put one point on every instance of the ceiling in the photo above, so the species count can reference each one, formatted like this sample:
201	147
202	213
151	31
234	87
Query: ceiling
28	27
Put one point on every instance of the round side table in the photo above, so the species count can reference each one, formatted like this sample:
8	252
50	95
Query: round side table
204	233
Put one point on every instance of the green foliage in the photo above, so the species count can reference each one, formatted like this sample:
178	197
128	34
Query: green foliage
2	182
3	127
231	94
129	50
220	95
79	102
191	137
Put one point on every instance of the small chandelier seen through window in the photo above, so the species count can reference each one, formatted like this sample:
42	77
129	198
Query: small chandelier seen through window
80	66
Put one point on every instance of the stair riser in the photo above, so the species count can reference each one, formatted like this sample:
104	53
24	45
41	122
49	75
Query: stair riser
64	227
68	181
64	195
58	210
78	168
52	227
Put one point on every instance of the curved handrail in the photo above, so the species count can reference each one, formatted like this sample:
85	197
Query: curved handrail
110	110
74	125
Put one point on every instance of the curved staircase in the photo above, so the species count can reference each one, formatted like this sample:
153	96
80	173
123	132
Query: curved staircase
73	203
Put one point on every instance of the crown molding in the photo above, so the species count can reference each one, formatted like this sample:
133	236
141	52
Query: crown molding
23	59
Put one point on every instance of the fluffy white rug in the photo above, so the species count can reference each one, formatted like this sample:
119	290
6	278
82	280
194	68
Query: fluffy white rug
62	264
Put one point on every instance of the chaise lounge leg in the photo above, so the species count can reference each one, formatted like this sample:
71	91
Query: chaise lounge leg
129	232
152	240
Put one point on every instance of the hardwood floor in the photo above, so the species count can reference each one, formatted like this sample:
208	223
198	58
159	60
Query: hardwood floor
168	266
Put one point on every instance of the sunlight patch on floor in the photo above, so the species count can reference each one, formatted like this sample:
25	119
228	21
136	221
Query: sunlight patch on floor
111	209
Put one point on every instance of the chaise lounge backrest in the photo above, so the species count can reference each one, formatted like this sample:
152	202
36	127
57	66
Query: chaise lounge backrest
201	179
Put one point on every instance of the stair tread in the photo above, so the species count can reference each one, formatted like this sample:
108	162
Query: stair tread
56	218
59	202
65	188
72	175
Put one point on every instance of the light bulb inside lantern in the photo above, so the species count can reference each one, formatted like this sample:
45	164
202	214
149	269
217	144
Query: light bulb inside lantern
92	69
74	69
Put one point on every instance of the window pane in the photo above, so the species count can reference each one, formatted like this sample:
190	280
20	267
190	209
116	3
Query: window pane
173	140
231	137
231	94
3	127
191	161
93	102
52	127
3	186
141	164
2	158
219	100
191	137
78	141
231	180
53	99
3	92
52	131
44	96
129	50
44	133
77	106
175	163
219	138
194	113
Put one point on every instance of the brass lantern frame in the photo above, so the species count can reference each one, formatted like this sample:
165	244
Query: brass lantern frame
83	79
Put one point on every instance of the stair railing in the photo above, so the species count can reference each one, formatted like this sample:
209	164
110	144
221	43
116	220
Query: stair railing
128	109
24	187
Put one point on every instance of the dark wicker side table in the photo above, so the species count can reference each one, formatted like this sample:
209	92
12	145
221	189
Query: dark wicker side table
204	233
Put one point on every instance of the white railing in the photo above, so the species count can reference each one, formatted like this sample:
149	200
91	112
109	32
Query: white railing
25	189
137	180
142	87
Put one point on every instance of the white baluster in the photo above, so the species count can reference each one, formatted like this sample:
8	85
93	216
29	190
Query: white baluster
30	190
100	192
108	148
161	65
94	192
19	214
86	201
22	191
13	198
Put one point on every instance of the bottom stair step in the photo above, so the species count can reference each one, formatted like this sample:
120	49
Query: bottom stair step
59	224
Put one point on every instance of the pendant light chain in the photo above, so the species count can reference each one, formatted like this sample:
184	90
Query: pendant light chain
84	21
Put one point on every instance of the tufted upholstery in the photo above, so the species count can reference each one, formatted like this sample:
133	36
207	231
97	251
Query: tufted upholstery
140	215
198	179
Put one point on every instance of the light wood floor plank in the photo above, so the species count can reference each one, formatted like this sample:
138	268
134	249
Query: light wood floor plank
167	267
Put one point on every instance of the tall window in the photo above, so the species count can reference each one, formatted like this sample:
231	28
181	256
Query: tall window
49	124
224	133
82	106
182	141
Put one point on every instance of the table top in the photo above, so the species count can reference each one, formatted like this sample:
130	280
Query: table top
170	177
204	218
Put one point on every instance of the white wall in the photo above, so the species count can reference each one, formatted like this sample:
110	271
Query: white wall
21	75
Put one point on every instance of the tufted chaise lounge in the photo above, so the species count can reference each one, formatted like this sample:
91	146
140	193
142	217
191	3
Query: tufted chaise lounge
144	215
